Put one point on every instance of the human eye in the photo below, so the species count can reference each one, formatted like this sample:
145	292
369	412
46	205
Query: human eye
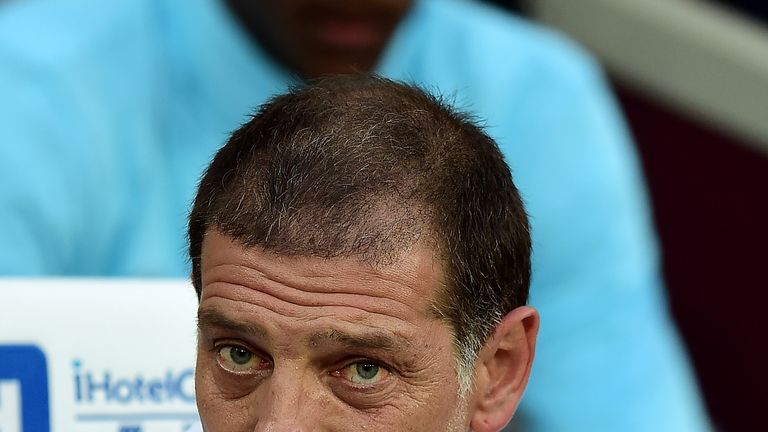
364	373
240	360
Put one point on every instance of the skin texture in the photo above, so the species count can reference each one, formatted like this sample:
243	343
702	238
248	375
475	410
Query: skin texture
316	37
303	329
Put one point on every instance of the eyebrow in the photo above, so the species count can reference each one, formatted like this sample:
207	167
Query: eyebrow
369	340
207	317
212	318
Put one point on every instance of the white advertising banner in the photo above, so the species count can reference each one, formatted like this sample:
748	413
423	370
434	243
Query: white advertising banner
96	355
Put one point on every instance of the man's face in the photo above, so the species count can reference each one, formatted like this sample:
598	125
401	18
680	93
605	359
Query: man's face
328	36
307	344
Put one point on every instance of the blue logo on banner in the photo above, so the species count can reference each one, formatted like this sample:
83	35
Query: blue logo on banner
26	364
105	386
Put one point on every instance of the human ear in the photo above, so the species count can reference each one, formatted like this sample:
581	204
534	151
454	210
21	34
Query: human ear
502	370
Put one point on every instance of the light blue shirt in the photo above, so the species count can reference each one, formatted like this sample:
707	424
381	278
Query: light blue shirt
110	110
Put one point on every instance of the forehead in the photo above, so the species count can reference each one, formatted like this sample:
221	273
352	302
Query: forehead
340	291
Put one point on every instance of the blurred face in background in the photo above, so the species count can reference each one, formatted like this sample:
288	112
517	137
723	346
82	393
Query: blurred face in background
317	37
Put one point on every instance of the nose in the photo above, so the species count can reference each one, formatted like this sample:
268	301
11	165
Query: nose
287	403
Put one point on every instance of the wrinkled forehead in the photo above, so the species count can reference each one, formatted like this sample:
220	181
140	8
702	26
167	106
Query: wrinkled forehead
414	278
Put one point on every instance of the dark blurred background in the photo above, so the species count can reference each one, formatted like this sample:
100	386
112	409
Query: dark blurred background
704	146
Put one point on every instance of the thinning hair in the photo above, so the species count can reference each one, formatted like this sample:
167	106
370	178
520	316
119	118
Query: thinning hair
365	167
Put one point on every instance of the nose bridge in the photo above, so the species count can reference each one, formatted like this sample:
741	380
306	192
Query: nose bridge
286	402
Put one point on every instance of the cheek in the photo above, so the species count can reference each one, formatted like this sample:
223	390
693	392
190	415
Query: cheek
221	410
430	403
439	405
437	413
439	410
426	407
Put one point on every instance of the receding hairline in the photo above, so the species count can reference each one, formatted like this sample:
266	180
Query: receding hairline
451	163
384	237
